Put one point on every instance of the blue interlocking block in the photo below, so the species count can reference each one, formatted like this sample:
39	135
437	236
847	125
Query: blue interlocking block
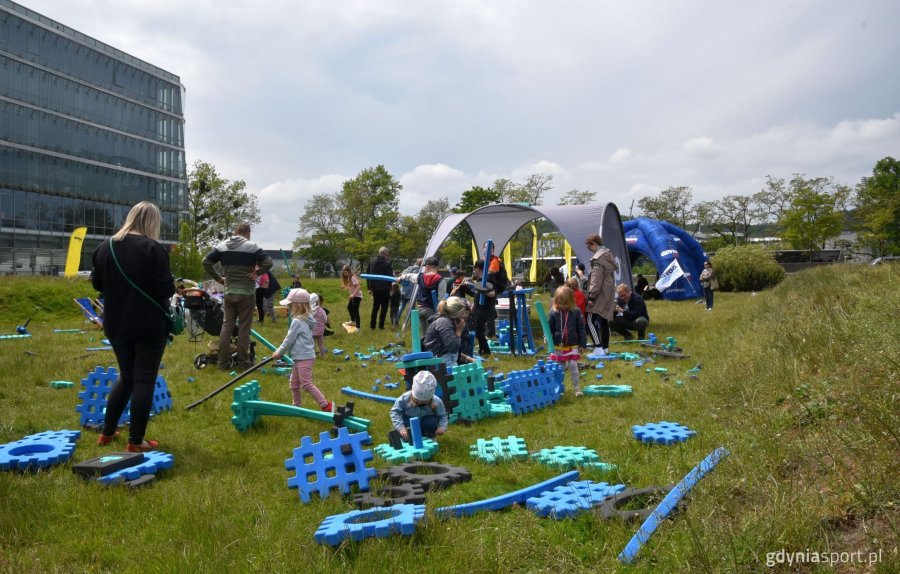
38	450
154	461
572	498
571	456
468	394
662	432
97	386
324	465
162	398
379	522
535	388
607	390
408	452
499	449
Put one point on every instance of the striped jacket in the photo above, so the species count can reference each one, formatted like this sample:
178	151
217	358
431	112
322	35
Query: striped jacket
239	257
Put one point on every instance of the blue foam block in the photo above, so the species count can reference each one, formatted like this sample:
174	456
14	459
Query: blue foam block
379	522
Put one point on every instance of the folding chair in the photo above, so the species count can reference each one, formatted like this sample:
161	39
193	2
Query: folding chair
90	312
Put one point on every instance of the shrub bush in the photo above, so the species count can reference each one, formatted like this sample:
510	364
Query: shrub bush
746	268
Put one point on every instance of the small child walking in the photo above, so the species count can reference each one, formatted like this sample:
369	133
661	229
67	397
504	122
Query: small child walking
567	328
394	304
299	343
350	283
321	318
420	402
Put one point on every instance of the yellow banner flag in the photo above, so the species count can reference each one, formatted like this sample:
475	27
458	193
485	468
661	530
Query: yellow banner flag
73	259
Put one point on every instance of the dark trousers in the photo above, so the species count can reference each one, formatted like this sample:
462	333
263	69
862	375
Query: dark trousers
484	317
138	366
708	297
261	304
622	326
395	315
381	302
353	309
598	327
428	424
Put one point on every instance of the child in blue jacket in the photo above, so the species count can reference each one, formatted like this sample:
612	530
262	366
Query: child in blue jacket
420	402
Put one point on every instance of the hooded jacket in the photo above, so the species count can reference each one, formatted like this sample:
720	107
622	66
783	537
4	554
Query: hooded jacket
601	296
239	257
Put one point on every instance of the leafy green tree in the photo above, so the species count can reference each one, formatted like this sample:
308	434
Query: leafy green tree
532	191
319	237
215	206
477	197
576	197
730	216
409	239
368	207
672	204
878	207
506	189
816	212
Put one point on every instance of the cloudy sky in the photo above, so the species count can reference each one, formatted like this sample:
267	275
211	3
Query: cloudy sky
619	98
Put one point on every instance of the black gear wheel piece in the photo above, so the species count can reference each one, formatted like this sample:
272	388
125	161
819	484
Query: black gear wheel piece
611	507
389	495
431	475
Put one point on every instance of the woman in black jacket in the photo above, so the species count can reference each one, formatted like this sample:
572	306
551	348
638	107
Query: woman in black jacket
136	328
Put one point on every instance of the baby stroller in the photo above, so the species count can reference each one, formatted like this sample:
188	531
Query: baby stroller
206	313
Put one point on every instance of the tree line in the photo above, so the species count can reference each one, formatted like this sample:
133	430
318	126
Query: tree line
350	224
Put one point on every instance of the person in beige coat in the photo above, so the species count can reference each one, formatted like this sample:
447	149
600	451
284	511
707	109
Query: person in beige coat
601	296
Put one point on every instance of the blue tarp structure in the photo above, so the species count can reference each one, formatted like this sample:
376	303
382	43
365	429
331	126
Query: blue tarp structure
661	242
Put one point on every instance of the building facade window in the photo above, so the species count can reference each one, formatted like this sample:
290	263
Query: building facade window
86	131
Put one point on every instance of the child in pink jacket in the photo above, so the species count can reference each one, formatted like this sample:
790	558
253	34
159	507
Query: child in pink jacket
318	331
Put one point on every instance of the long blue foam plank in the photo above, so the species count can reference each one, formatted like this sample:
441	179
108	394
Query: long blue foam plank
373	277
364	395
668	504
508	499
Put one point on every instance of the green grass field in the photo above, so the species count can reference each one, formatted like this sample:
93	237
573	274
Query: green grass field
800	383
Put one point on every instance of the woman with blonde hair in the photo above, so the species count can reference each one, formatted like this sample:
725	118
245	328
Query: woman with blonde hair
131	262
442	337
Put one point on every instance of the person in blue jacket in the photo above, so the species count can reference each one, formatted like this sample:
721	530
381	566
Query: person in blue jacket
420	402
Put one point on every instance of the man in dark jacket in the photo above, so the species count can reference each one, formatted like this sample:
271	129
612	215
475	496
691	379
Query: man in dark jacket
631	313
380	290
242	261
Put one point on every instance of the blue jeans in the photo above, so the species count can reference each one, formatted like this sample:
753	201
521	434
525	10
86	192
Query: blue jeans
708	296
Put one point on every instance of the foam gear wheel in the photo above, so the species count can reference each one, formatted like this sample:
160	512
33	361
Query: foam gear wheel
391	494
378	522
431	475
611	507
38	450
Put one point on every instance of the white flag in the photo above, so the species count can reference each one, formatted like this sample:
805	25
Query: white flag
670	275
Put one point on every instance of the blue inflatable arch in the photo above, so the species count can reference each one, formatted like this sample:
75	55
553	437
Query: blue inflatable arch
661	242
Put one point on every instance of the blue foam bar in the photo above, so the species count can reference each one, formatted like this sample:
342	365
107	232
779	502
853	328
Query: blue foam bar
668	504
415	429
505	500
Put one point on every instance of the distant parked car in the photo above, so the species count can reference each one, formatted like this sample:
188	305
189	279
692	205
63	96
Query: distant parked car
887	259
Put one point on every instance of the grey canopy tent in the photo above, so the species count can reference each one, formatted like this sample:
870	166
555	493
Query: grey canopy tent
501	221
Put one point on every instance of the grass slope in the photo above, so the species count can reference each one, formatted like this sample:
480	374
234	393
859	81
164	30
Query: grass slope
800	383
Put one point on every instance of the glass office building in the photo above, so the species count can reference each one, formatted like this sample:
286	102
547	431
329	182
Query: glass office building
86	131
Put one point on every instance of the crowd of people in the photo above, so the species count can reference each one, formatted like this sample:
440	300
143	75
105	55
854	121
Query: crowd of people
132	271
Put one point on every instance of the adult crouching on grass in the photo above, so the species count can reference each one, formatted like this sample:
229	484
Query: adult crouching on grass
136	328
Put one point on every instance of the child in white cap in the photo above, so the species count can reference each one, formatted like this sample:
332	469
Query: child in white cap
420	402
299	343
